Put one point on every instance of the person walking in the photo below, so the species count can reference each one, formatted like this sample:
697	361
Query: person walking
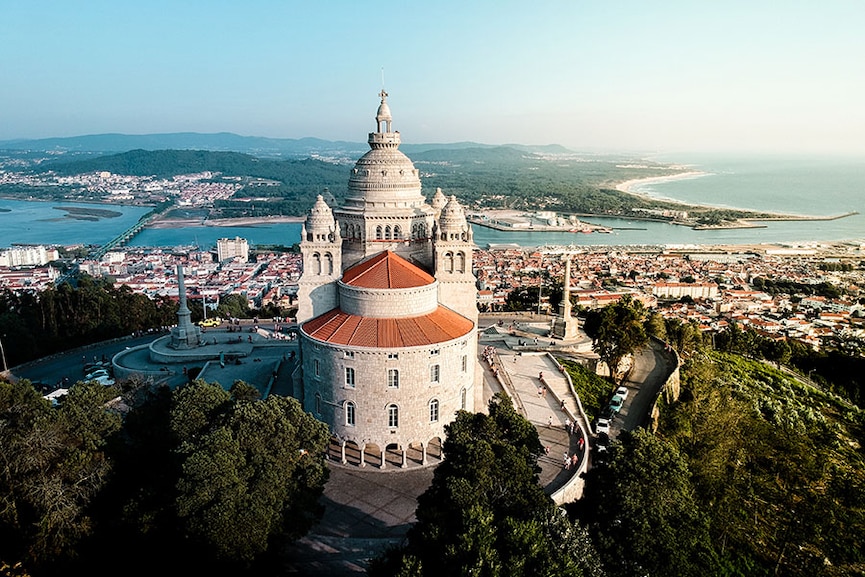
568	425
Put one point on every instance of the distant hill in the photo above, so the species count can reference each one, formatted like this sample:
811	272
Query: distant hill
168	163
229	142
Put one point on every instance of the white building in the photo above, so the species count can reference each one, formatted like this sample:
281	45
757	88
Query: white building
28	256
698	290
229	248
387	309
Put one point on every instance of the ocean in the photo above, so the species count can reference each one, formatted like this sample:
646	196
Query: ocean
795	185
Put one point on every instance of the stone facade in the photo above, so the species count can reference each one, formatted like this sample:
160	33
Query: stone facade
388	362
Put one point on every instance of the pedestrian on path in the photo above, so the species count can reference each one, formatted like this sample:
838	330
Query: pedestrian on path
550	422
567	462
544	391
568	425
574	460
563	405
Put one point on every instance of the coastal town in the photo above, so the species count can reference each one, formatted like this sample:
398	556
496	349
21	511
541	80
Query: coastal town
712	286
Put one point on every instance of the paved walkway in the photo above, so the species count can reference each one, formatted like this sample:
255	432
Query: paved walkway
368	510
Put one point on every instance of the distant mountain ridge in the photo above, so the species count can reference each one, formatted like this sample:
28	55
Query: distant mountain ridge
230	142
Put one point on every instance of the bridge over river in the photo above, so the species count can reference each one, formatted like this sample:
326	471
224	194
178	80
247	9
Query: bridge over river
118	241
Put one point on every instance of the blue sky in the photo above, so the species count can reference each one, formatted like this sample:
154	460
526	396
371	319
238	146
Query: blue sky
630	75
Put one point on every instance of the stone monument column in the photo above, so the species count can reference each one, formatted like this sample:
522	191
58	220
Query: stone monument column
185	335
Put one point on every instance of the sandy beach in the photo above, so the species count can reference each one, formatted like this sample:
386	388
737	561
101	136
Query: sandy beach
629	185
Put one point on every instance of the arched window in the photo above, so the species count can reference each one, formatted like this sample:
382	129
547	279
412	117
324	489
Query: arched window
316	263
387	233
328	263
434	411
350	413
393	378
397	233
392	416
461	262
449	262
378	233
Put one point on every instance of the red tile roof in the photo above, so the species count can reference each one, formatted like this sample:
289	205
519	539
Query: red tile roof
340	328
386	270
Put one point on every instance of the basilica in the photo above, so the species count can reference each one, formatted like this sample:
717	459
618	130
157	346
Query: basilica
387	310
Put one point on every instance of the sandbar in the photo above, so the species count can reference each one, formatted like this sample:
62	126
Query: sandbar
244	221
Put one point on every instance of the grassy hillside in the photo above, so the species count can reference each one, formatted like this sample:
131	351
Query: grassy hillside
777	464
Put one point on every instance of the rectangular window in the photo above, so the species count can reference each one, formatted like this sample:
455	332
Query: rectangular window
349	377
434	352
392	416
393	378
434	374
349	414
393	355
348	354
317	366
465	363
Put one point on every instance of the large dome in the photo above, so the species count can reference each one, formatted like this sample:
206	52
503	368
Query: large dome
384	174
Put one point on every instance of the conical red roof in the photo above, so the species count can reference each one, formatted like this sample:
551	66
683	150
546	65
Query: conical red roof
386	270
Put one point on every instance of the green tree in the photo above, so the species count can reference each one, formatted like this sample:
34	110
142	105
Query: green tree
237	476
53	465
642	511
485	513
233	306
617	330
656	326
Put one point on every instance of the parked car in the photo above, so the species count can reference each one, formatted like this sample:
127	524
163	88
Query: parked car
622	392
616	403
607	413
104	380
96	374
602	444
602	426
211	322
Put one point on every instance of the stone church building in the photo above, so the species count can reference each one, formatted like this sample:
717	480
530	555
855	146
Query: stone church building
387	309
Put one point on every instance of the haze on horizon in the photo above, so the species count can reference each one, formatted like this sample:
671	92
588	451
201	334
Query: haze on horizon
668	76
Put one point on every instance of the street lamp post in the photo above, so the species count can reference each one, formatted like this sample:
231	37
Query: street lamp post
3	353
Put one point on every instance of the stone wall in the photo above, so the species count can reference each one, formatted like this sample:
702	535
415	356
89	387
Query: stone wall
372	395
388	303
